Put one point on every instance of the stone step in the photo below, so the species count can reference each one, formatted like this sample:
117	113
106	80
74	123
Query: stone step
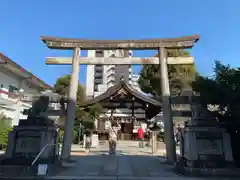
25	171
101	178
13	170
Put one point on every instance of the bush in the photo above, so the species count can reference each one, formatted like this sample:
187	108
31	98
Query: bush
61	134
5	128
89	125
160	136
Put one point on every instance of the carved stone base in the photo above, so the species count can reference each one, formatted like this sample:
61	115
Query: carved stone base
205	147
27	140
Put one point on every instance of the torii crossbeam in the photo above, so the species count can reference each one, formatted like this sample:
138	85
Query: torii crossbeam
117	60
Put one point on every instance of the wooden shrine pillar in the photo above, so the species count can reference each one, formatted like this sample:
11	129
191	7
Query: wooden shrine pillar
133	99
167	109
71	107
111	116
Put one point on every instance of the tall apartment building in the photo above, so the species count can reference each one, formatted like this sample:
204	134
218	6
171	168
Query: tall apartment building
101	77
134	82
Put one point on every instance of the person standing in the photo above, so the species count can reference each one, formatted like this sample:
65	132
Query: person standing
140	137
178	134
88	143
113	132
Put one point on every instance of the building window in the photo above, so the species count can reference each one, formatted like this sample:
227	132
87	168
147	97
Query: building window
99	53
96	88
12	88
111	76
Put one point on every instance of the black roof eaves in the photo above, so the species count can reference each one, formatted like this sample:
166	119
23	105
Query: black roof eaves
142	96
110	92
114	89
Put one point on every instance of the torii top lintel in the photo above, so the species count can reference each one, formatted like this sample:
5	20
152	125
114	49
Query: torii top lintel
86	44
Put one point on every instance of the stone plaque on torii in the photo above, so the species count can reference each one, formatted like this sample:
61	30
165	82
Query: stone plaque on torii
149	44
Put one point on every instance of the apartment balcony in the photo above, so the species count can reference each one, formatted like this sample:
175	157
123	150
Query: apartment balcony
111	67
98	75
10	100
111	79
98	68
4	94
110	72
99	53
111	75
98	71
102	88
110	84
98	81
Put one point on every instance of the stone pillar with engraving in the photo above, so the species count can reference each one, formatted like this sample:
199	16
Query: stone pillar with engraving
32	135
203	143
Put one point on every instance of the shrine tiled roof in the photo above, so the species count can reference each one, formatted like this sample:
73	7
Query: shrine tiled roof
114	89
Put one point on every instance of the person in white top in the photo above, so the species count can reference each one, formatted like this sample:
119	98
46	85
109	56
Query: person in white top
112	133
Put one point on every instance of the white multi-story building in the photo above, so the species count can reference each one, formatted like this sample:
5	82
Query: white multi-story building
14	79
134	82
101	77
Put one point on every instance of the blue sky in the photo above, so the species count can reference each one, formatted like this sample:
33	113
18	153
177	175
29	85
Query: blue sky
23	22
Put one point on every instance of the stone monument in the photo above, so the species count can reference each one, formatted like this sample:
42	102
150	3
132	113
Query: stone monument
204	145
32	135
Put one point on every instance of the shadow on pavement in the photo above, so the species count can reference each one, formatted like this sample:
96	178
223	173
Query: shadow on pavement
120	165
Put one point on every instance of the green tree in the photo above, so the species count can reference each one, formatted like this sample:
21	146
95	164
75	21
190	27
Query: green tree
5	128
62	87
90	113
180	76
221	95
221	92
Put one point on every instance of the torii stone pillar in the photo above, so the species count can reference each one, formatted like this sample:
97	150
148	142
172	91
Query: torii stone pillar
71	107
167	109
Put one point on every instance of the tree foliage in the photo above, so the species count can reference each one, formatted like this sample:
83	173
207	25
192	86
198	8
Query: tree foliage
222	92
180	76
62	87
5	128
221	95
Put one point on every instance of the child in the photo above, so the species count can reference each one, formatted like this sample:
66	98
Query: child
88	143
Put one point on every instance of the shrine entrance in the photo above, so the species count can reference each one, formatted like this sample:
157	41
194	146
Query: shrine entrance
149	44
129	107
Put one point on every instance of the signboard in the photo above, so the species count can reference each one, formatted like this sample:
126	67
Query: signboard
207	147
107	124
42	169
209	143
28	143
95	141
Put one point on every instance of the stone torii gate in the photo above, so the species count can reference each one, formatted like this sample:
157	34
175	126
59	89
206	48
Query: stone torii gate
149	44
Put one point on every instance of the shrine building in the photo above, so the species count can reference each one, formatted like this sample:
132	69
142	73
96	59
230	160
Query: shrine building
128	106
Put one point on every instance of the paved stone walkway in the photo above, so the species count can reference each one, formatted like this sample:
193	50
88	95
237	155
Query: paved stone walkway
125	147
129	163
120	166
